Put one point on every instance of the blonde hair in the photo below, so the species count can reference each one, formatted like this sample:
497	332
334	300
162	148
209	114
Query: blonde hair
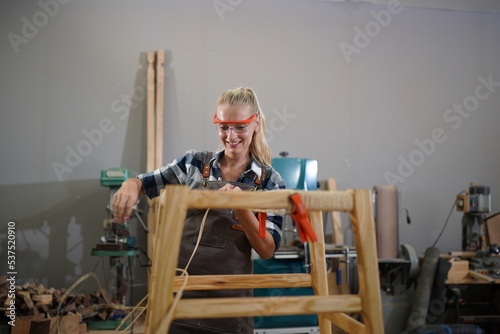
244	96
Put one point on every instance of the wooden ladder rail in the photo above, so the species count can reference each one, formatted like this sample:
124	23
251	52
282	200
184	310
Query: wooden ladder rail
174	202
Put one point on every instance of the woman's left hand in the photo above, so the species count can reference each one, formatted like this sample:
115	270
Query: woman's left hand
230	187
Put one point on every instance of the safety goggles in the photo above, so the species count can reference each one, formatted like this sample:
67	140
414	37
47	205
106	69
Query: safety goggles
246	121
238	127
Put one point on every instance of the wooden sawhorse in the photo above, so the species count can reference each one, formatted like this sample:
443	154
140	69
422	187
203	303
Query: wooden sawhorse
174	202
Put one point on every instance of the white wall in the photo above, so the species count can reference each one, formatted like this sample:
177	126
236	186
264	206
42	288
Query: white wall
359	116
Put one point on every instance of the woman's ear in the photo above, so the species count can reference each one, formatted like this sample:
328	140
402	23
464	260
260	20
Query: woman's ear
257	122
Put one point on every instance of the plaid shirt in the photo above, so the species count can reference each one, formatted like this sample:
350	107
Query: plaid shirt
188	170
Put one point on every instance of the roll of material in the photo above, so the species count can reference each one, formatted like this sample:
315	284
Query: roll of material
420	306
386	220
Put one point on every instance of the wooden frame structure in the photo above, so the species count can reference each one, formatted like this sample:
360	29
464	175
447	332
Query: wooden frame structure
174	202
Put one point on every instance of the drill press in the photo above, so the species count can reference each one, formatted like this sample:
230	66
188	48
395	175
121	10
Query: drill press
475	203
117	243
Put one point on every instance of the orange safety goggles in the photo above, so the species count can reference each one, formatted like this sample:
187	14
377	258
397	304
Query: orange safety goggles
246	121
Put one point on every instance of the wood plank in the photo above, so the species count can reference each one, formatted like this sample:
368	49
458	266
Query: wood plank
158	130
363	228
480	276
219	282
277	199
265	306
346	323
150	152
150	122
170	217
42	299
337	233
463	254
160	85
318	266
459	271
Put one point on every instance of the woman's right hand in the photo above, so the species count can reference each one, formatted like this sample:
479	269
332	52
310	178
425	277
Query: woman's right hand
125	199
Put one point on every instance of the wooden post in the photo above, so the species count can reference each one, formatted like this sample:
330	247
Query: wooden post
363	228
160	76
150	129
337	239
337	234
171	213
155	93
318	267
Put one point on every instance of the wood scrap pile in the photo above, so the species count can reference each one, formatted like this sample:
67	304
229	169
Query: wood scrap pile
34	301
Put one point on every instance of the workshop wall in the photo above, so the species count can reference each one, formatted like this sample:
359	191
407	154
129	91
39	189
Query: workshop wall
377	94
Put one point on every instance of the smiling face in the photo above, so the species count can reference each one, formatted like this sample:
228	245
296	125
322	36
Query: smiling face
236	137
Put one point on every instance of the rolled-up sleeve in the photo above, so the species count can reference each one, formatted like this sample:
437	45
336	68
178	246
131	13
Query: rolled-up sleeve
184	170
274	223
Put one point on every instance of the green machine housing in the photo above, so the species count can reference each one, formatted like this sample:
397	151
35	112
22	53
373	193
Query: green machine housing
114	177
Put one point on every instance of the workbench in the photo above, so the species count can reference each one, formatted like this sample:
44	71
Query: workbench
472	295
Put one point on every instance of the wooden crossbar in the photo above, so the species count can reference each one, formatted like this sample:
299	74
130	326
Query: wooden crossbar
319	200
176	200
348	323
265	306
260	281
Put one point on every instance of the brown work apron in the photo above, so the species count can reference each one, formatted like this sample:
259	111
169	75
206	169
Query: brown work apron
223	250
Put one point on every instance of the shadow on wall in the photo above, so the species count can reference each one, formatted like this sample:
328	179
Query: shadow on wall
135	143
56	226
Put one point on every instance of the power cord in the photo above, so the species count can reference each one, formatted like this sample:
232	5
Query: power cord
408	219
448	218
148	263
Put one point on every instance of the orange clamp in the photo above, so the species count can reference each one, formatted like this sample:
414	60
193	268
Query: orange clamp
301	218
262	224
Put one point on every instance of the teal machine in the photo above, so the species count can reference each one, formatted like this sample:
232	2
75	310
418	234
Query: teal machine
117	243
117	236
300	174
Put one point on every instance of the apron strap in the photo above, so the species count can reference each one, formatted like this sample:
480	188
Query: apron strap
258	180
206	168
